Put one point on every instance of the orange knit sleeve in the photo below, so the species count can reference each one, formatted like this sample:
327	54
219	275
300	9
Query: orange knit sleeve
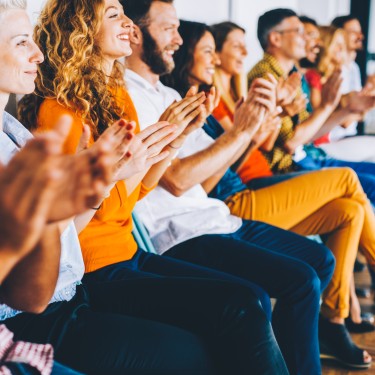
145	190
222	111
49	113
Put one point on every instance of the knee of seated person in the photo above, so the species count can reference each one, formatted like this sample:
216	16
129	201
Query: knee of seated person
307	282
354	211
186	354
350	176
325	260
328	259
245	304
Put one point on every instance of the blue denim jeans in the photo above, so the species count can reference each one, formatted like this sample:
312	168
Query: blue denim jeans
288	267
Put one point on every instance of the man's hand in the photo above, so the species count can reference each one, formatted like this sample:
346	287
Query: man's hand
358	103
369	87
287	89
188	114
296	106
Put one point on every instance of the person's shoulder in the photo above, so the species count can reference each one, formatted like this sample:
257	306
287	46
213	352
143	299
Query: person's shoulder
262	67
10	122
13	127
51	107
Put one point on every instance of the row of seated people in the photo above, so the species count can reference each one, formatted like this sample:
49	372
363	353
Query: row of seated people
202	305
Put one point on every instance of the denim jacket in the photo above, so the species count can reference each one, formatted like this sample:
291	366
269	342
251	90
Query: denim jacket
71	272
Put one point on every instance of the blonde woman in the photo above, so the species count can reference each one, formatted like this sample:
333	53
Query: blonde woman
232	86
332	56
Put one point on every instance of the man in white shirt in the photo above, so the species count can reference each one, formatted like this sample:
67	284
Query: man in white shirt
185	223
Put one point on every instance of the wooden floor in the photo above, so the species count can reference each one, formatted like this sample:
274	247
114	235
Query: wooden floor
366	341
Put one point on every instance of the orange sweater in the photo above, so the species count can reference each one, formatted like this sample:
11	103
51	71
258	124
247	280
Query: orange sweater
107	239
256	165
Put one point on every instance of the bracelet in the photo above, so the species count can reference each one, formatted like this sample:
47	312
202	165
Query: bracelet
107	195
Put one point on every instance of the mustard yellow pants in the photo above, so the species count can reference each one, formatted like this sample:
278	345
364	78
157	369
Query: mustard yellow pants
329	202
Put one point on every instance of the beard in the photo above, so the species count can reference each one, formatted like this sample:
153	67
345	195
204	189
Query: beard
306	63
153	56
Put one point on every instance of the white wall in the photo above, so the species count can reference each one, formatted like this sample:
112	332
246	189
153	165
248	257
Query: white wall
245	13
207	11
34	7
323	11
371	41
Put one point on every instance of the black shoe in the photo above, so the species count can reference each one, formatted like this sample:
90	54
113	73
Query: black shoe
336	344
358	266
363	327
363	292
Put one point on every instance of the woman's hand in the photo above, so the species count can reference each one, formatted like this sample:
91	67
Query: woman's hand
287	89
148	148
270	127
91	170
261	100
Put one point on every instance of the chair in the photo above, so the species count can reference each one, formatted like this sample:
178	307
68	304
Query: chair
141	235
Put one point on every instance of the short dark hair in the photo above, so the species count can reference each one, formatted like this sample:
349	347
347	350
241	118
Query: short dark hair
340	21
137	10
269	20
191	33
221	30
305	19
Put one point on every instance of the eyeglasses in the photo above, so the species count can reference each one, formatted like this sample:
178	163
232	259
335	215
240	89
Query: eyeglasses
298	30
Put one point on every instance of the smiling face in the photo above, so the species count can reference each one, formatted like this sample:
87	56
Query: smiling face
233	52
291	41
161	38
312	37
354	34
337	49
205	60
113	35
19	55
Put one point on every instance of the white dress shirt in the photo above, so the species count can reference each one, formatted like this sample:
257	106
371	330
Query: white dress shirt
169	219
351	82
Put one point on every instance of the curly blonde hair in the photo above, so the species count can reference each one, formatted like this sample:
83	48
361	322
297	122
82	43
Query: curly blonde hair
72	72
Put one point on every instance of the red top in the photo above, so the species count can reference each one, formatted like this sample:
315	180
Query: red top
256	165
313	78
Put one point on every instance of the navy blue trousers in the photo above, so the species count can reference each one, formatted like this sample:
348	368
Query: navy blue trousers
22	369
157	325
288	267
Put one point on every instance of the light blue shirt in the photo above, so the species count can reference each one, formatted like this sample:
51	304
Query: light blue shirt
14	137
